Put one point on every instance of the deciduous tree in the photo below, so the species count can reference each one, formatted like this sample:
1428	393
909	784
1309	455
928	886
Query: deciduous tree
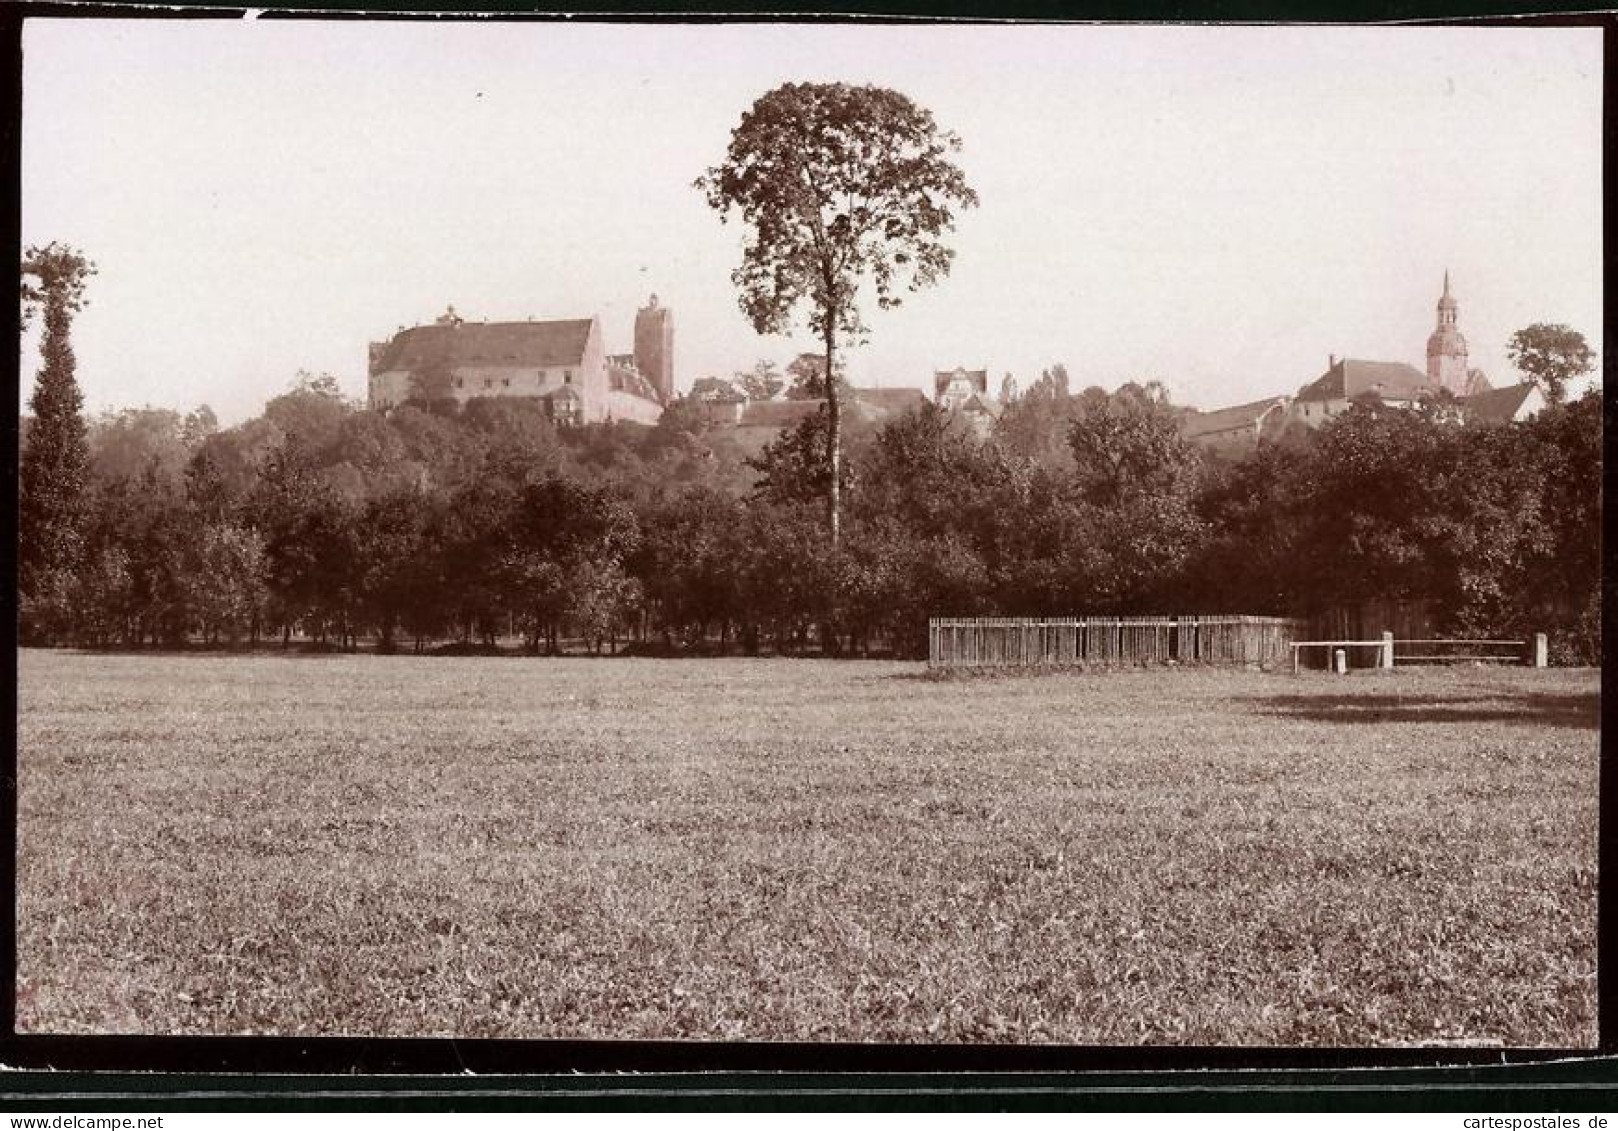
1550	355
840	186
807	376
763	382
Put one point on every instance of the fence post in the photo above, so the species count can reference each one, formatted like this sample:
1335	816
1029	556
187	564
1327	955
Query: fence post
1339	661
1387	650
1542	652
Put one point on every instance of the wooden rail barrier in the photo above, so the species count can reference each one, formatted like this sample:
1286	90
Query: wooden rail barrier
1391	653
1014	642
1381	646
1531	652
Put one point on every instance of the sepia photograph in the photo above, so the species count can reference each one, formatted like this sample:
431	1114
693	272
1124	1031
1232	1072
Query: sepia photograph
923	534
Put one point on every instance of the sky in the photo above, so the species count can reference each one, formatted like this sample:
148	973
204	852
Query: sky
1218	208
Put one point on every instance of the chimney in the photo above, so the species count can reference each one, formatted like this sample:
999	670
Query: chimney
1331	361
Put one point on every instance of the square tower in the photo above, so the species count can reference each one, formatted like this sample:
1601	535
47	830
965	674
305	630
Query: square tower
654	347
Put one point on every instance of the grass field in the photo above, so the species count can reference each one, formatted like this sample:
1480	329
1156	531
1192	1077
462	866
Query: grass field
780	849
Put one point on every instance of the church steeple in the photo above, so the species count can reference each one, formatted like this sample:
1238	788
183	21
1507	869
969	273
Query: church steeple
1446	347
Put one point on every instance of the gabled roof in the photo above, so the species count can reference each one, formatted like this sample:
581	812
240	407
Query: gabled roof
1194	424
1496	406
979	379
1351	378
539	344
978	403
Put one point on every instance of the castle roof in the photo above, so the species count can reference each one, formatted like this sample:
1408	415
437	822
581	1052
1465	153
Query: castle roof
540	344
1194	424
1351	378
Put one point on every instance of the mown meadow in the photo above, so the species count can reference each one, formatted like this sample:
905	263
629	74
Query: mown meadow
748	849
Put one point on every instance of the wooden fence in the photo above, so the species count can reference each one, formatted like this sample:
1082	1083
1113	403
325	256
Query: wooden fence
1452	650
1013	642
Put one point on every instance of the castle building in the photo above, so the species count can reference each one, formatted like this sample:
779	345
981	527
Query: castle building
561	363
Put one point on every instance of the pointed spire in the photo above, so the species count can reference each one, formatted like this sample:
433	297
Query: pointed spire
1446	301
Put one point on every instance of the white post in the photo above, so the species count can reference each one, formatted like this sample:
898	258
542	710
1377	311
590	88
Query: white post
1387	650
1542	652
1339	658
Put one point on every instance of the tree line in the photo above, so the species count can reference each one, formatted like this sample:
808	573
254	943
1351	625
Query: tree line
323	524
433	522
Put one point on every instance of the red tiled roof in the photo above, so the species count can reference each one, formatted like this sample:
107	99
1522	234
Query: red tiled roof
541	344
1350	378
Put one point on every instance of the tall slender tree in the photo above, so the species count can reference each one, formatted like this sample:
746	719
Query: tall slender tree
52	504
841	186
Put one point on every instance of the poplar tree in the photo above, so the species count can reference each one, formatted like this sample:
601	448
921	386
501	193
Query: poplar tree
53	466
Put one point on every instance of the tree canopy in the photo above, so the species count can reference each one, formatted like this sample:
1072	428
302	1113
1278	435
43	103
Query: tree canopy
841	187
1550	355
762	382
54	463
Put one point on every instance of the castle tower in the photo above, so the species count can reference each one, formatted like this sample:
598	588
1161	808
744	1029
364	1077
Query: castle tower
654	347
1446	347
